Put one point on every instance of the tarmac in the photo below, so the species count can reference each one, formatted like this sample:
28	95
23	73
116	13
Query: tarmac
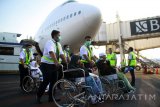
147	94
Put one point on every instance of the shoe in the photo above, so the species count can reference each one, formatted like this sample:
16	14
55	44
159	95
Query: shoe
131	91
58	99
50	100
38	99
46	90
94	100
100	100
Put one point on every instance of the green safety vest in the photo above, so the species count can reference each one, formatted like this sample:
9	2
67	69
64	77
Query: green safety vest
28	57
89	55
50	59
123	63
66	54
133	61
112	59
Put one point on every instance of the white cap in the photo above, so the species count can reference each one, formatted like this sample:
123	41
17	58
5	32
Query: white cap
102	54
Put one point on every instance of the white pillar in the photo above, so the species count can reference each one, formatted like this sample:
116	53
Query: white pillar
120	38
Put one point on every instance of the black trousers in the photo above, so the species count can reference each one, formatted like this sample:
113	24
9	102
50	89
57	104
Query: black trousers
50	76
132	76
23	72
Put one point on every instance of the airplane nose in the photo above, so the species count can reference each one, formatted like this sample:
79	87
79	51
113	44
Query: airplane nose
92	16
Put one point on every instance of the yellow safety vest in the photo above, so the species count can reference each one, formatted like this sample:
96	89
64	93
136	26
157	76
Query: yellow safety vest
28	57
50	59
133	61
89	55
112	59
66	54
123	63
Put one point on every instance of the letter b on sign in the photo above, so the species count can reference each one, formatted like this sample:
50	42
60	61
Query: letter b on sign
154	25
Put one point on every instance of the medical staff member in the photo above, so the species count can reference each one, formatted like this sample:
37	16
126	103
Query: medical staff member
86	53
112	57
131	64
66	50
50	64
26	56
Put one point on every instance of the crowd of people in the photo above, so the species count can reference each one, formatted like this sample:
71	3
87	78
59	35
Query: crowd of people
54	56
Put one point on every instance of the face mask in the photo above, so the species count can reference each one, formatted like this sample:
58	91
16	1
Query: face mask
88	43
67	49
101	58
59	39
30	49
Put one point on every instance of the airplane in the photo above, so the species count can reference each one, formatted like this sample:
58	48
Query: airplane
74	20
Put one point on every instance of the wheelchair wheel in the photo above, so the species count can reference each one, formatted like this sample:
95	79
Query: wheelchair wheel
66	94
28	84
106	85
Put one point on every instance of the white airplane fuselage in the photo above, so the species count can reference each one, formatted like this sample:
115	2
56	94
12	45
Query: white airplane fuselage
74	21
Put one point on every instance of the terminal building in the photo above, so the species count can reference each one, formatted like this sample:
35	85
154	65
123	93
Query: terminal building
9	52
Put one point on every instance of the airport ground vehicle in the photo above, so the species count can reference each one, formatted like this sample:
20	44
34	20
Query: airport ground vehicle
32	81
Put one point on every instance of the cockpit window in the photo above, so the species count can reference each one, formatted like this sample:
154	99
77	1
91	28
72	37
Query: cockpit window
69	1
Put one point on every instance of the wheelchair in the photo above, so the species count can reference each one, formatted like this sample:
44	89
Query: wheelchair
31	82
112	85
71	91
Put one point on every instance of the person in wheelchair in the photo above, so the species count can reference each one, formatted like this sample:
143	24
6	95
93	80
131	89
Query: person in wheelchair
122	76
90	79
107	71
105	68
35	71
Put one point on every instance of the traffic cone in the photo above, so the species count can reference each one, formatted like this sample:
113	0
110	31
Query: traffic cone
156	70
149	71
145	70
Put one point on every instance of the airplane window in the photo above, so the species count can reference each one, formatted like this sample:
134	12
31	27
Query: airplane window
6	51
75	14
64	18
79	12
58	20
67	17
70	15
61	19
